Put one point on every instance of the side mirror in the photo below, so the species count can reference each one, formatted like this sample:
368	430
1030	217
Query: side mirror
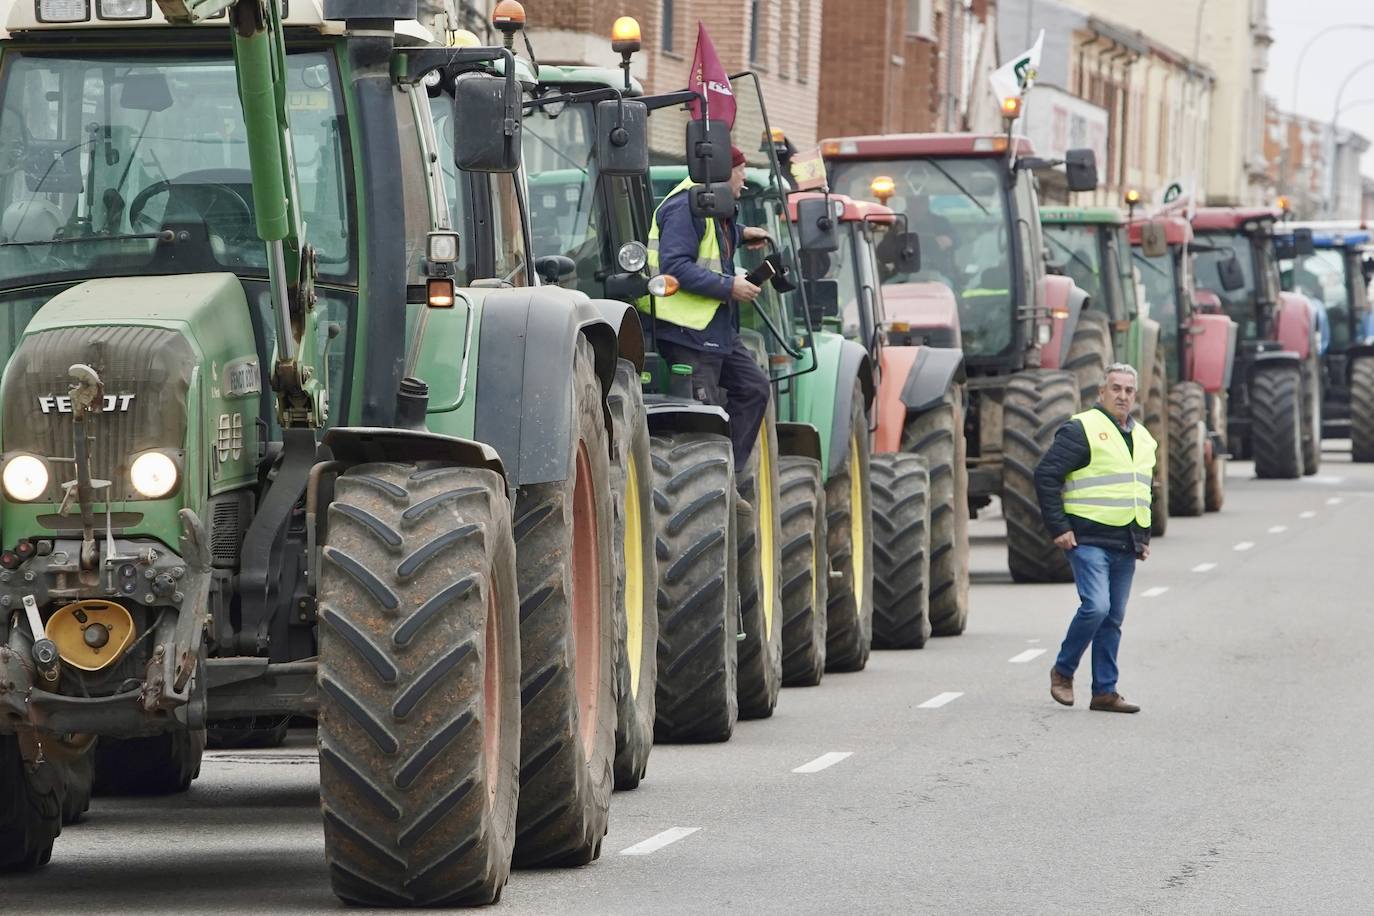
1154	241
708	151
908	253
481	108
1080	165
816	226
711	201
1302	242
824	296
145	92
554	267
783	279
1231	274
622	138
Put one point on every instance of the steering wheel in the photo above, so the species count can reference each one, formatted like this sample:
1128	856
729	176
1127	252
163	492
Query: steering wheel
207	196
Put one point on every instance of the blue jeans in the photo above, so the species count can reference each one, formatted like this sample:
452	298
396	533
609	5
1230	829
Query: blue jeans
1104	579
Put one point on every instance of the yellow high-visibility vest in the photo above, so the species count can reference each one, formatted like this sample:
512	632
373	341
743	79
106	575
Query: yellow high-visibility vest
686	309
1114	489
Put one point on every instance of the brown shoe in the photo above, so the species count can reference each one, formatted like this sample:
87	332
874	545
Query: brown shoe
1112	702
1061	688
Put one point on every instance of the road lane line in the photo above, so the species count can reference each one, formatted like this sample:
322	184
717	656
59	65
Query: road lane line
1244	545
823	762
1334	501
936	702
1154	592
1204	567
1027	656
1278	529
1308	514
1324	478
1032	640
658	841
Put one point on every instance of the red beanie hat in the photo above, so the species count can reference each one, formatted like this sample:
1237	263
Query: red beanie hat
736	157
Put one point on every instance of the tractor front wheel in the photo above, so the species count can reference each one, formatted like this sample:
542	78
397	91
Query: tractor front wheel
1362	409
1157	422
156	765
1037	402
849	526
1276	414
760	572
901	551
1312	415
30	809
801	513
1187	450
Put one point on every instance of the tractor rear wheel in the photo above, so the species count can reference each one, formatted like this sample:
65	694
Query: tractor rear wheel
801	514
1157	422
1312	415
1362	409
1090	353
1216	452
760	572
937	436
30	809
901	551
1187	450
156	765
1276	414
419	724
564	556
698	595
849	530
1037	402
636	581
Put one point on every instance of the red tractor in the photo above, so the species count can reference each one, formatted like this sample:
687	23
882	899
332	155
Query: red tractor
1275	393
1199	345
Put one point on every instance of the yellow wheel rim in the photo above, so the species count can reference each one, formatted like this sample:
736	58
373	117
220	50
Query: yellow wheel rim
634	576
765	515
856	520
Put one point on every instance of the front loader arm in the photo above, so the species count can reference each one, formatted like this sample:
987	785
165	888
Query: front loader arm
260	64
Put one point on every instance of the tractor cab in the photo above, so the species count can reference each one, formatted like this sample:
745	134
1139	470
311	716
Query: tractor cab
1091	246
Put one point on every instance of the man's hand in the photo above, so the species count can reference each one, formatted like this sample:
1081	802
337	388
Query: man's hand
1144	553
1066	541
754	237
743	290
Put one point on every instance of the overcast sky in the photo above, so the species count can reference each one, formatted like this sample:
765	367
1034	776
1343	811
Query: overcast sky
1327	63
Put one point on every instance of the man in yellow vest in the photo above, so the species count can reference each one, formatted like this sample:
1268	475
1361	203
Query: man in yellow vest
1095	495
699	326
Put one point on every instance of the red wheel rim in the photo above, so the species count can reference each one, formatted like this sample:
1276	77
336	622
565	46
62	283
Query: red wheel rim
586	597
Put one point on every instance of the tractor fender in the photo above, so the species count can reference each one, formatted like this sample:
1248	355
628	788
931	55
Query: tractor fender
1144	347
1296	324
1273	359
854	365
353	445
671	415
1066	301
815	396
629	332
525	360
799	439
914	379
1212	352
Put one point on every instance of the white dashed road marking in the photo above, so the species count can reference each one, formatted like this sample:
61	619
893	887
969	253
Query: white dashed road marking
1154	592
1032	640
1278	529
1334	501
1244	545
1204	567
1308	514
1327	479
936	702
658	841
1027	656
823	761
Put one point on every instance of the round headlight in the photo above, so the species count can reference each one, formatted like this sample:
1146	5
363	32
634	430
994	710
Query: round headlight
25	478
153	475
632	257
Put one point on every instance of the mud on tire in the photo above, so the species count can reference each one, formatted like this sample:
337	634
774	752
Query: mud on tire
698	596
801	513
1276	422
760	572
419	725
901	551
1035	405
1187	449
849	635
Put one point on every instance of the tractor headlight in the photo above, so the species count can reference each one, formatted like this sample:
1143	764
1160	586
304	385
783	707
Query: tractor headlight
25	478
632	257
153	475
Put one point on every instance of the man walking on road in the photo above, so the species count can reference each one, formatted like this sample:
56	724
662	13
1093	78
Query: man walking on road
1095	494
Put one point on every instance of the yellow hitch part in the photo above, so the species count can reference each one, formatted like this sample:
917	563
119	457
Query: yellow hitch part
92	634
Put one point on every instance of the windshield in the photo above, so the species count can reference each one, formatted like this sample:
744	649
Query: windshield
1239	303
959	209
563	213
1075	252
1320	277
98	154
1161	300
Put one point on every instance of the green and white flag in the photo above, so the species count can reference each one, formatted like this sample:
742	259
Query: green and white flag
1015	78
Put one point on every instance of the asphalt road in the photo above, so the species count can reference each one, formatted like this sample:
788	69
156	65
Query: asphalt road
1243	786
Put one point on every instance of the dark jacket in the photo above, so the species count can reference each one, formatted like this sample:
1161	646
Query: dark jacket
679	241
1070	452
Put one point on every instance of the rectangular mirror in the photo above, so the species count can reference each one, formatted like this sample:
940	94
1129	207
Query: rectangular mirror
481	108
708	151
816	227
824	298
1154	240
1302	243
1231	274
622	138
712	201
1080	165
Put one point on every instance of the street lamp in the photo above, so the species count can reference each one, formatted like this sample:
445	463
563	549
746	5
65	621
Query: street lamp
1335	123
1297	80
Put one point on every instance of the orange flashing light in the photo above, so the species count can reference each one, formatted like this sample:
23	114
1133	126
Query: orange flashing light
441	293
1132	197
625	35
777	136
1284	203
1059	313
883	187
830	149
509	16
1011	107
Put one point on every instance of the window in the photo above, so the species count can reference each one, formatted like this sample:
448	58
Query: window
508	231
669	32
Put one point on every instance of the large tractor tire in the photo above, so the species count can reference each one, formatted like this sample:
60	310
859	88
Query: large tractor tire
156	765
30	809
698	594
75	759
1187	450
256	732
636	581
1157	422
1090	353
1362	409
901	551
1312	415
801	513
1276	414
760	572
419	725
564	554
1036	404
1217	453
849	530
937	437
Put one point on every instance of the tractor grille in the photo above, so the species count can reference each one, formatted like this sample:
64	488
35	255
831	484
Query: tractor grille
228	515
146	373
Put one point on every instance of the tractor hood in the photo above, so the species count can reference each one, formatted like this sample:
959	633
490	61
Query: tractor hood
928	309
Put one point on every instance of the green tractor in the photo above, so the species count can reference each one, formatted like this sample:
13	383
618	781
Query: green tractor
1092	245
229	497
